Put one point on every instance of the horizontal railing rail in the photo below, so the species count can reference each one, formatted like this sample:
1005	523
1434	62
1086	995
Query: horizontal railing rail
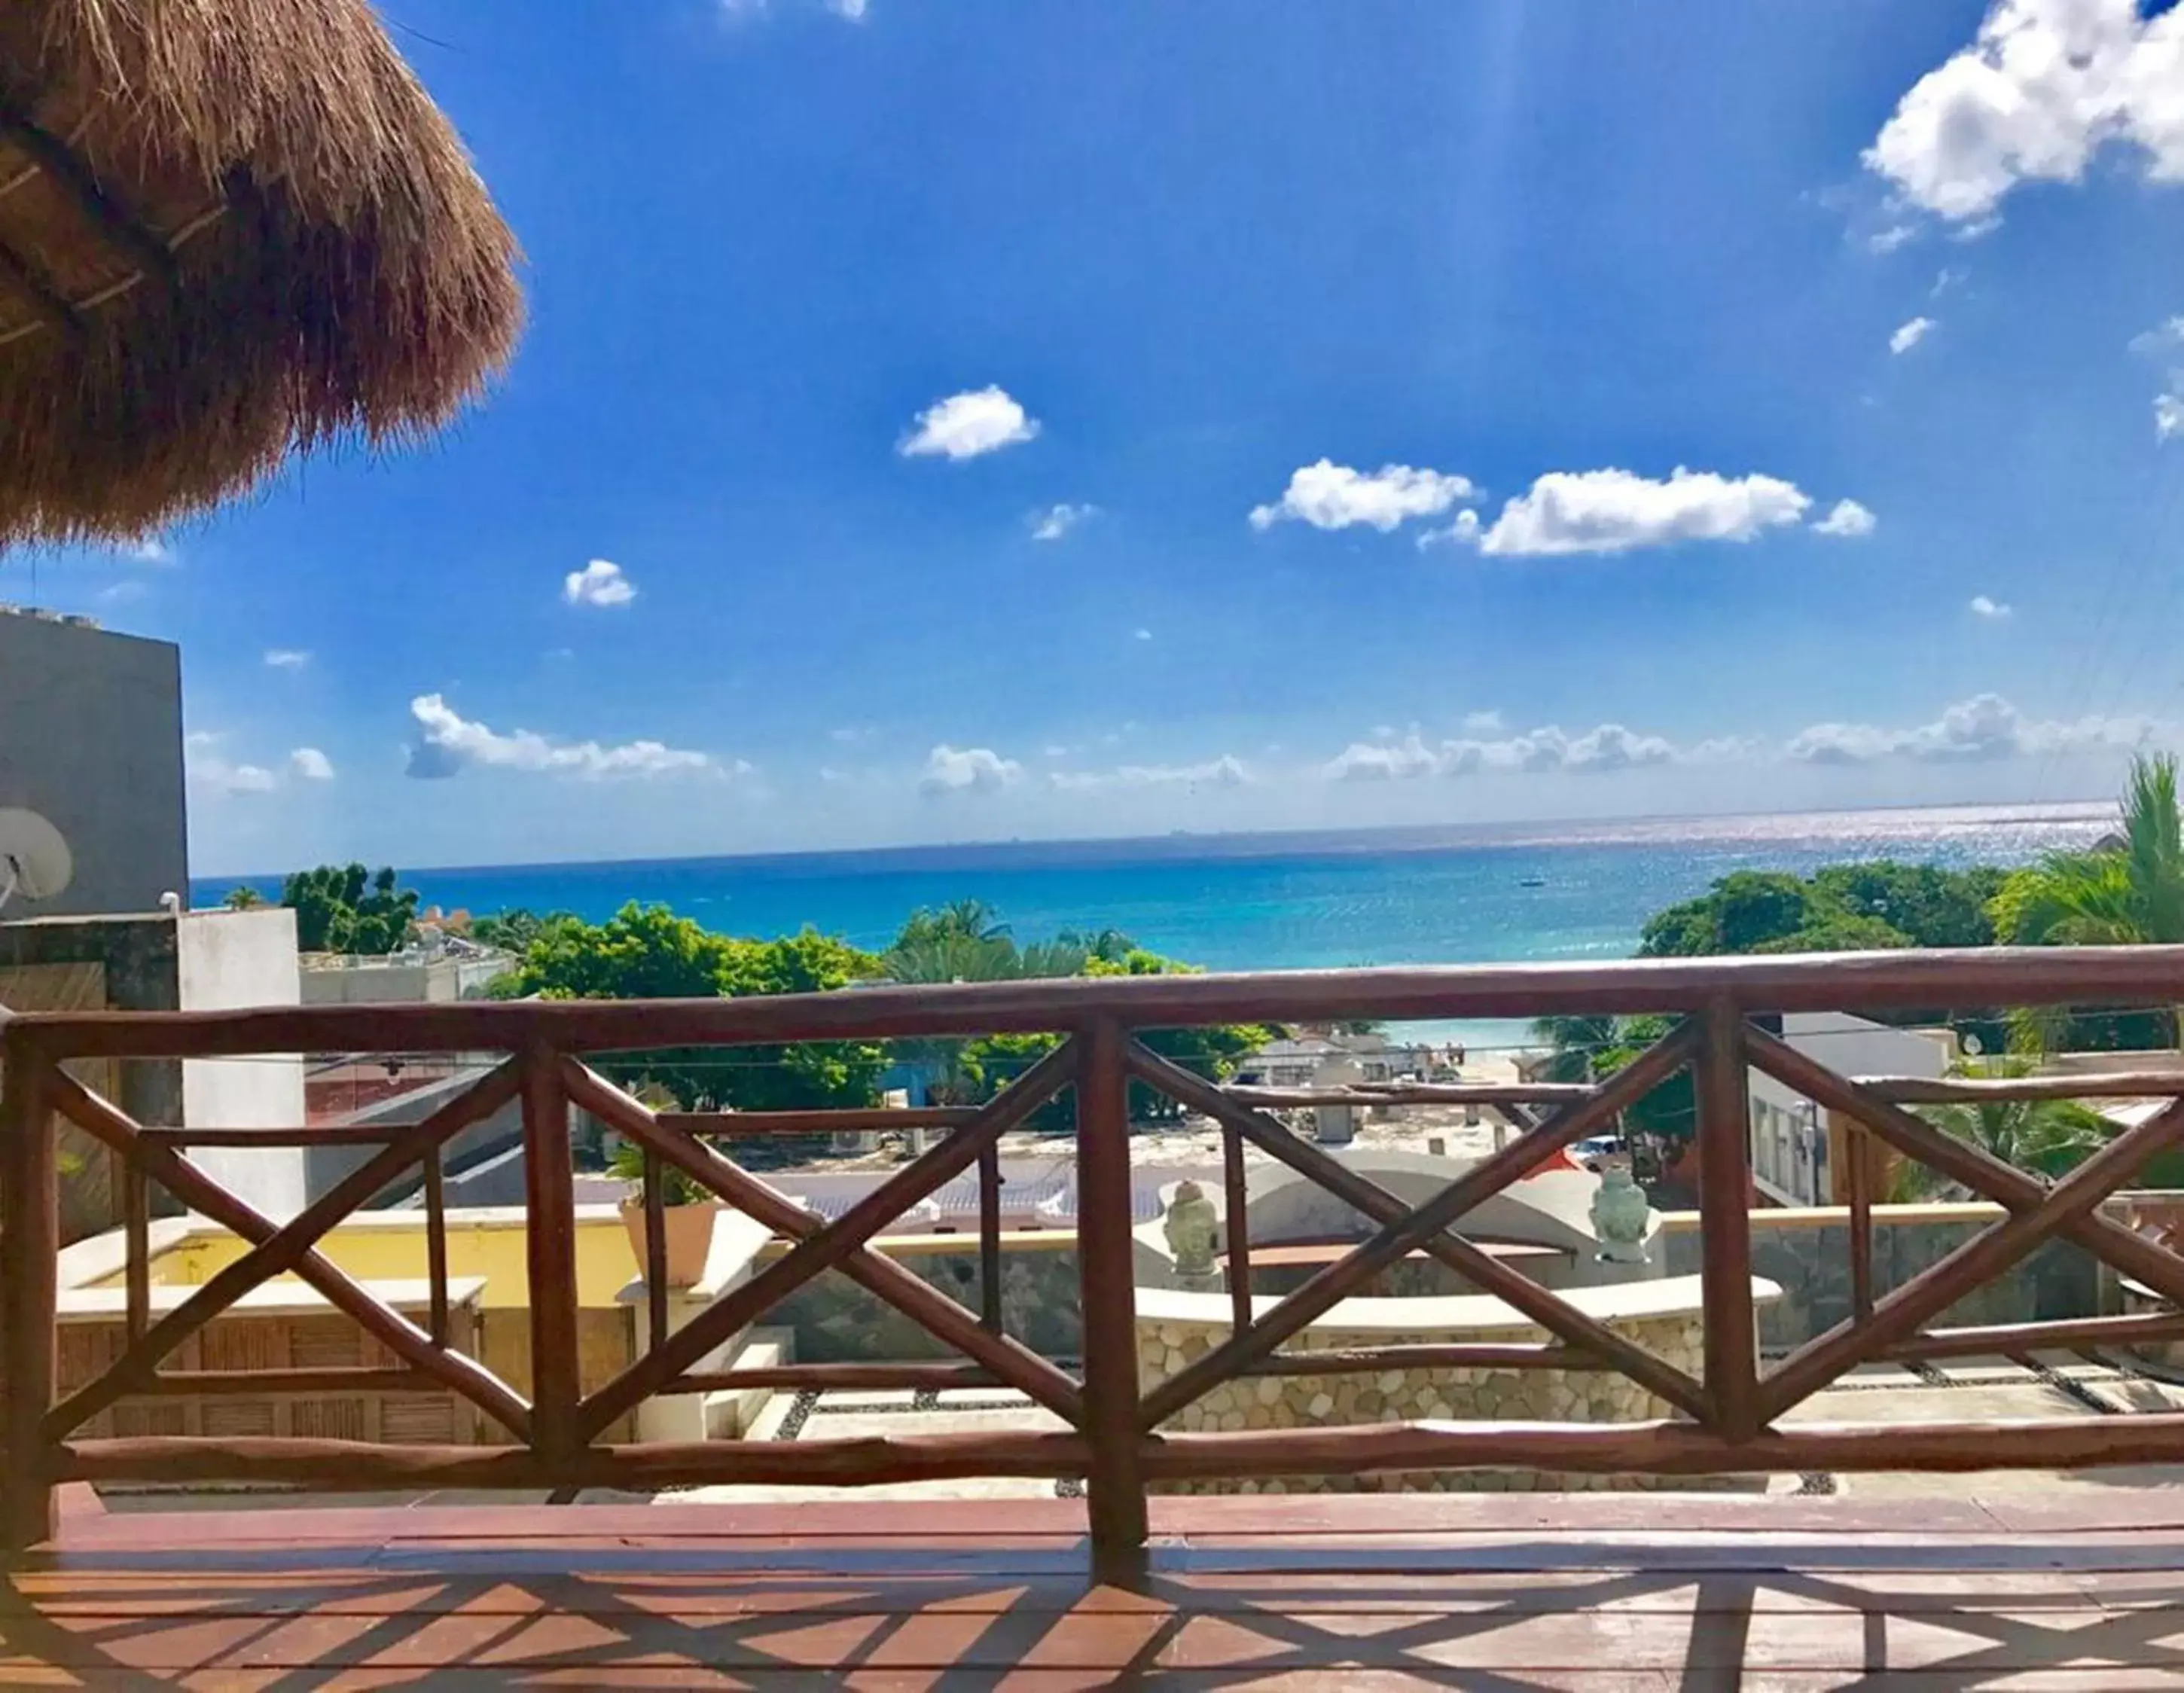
1720	1413
1759	985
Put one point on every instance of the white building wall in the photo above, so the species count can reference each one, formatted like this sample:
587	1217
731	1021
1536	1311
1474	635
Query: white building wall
226	961
1789	1137
330	980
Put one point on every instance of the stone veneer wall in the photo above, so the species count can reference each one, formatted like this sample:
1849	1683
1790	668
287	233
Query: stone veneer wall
1168	1342
837	1321
1807	1253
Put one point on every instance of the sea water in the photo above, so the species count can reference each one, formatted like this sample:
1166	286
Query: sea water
1567	893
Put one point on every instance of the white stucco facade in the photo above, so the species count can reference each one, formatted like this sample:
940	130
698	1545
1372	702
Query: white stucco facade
226	960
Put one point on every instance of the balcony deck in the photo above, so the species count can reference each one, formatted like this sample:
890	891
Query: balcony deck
2060	1565
1593	1592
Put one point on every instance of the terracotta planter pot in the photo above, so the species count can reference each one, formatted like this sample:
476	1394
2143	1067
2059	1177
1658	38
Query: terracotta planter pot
689	1237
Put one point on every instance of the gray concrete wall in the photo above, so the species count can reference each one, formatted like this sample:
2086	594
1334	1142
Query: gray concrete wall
200	961
135	957
835	1321
141	975
91	735
1808	1254
475	1176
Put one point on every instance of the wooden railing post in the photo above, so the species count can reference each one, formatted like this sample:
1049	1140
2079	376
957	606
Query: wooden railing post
1108	1284
1725	1126
1861	1221
30	1266
551	1256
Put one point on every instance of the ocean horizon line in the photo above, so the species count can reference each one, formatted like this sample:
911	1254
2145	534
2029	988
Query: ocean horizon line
1915	821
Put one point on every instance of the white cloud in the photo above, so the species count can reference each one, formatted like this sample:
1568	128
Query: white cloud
216	775
1889	239
1225	771
116	594
1609	747
850	734
448	742
2046	85
967	769
1057	520
1381	761
1141	634
1615	510
311	764
1982	606
286	657
1482	722
244	778
851	11
1909	335
212	773
1331	496
2167	343
1848	520
1983	728
1949	277
965	425
600	583
148	549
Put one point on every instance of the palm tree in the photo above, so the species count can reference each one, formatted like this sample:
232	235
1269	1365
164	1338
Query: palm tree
243	900
958	943
2128	891
1572	1043
2042	1137
973	918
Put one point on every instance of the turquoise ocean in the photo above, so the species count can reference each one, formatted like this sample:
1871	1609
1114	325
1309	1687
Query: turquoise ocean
1566	893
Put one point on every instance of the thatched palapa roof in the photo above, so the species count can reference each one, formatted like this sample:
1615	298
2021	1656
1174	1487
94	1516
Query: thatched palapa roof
228	229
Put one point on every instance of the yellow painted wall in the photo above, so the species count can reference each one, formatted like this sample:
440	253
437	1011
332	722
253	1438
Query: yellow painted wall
605	1264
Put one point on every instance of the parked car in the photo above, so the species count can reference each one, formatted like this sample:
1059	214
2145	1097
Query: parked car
1596	1149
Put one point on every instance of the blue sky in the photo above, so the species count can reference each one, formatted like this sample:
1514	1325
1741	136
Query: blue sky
944	420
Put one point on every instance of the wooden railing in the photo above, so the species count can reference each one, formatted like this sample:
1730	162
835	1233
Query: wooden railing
1729	1416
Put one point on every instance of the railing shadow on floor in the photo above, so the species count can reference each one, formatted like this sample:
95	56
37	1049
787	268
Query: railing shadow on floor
1513	1615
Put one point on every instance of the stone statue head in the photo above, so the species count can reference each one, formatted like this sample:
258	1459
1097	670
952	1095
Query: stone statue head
1192	1229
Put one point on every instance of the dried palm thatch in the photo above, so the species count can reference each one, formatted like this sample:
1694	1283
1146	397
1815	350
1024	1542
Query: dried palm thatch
228	229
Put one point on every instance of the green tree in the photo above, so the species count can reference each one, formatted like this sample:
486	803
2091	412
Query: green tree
515	929
1862	907
1743	912
1212	1051
345	908
243	900
1584	1049
1571	1044
1833	931
2045	1137
647	952
965	941
1927	905
2130	894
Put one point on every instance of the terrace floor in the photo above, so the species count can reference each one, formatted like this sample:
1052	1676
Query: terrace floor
1589	1592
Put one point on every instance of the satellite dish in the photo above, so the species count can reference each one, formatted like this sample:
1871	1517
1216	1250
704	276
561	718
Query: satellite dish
34	860
1974	1046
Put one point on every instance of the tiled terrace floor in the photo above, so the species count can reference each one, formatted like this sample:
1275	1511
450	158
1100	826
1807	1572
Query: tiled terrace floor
1496	1592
